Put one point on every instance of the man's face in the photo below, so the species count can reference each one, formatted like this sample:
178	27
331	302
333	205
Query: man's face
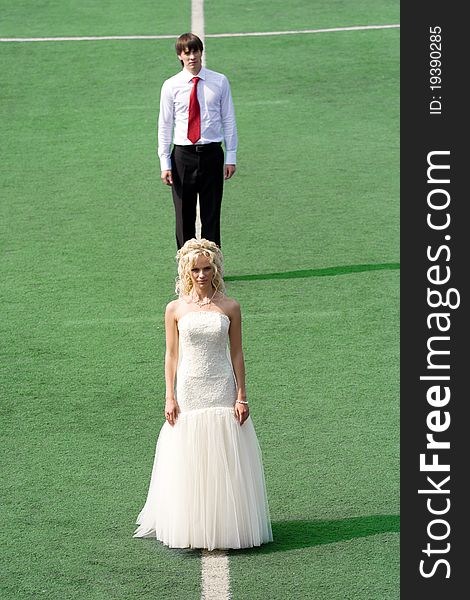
192	60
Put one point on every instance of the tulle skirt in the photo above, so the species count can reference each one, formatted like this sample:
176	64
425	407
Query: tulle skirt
207	488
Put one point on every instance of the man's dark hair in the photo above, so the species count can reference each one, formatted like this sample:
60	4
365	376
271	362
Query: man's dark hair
188	41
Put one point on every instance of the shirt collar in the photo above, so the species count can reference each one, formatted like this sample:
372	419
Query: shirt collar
187	76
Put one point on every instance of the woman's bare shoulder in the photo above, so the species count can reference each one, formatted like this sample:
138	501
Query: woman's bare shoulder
230	306
172	307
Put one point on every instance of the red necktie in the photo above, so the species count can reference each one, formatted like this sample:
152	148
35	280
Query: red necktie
194	114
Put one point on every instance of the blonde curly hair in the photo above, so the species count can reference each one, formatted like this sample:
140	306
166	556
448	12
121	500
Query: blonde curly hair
186	258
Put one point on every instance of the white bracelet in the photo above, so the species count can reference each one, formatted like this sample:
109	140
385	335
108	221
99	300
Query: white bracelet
242	402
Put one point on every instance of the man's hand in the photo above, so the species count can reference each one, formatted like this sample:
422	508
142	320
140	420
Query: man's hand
229	170
167	177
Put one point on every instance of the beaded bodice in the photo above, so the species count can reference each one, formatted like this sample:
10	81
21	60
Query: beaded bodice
205	376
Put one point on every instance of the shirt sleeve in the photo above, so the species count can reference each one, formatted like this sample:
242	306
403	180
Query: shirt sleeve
229	125
165	127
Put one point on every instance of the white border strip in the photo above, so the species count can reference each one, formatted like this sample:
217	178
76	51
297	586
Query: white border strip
209	35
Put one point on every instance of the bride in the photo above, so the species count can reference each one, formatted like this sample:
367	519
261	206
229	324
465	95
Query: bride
207	487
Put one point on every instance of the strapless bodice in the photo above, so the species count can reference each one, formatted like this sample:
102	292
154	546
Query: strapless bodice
205	376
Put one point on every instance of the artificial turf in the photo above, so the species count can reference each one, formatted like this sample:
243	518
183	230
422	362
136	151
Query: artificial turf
87	268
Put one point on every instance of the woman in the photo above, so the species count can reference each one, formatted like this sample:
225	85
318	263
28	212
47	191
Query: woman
207	487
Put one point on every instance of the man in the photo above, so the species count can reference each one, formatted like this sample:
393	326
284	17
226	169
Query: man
197	114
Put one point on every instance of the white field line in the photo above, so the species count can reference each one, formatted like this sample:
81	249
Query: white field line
197	27
208	35
297	31
197	18
215	569
91	38
215	575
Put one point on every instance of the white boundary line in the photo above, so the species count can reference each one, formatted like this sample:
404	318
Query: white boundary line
91	38
215	575
215	567
209	35
197	18
197	27
297	31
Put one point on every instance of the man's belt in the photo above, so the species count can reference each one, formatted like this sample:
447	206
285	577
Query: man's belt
200	148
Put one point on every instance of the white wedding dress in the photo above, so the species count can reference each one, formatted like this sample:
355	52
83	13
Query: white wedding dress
207	487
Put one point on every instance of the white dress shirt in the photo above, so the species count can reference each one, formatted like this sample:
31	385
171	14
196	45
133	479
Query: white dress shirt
217	114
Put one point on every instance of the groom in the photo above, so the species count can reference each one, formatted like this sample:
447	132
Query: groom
197	114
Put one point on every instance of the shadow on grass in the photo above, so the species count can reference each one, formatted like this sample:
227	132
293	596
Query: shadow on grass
325	272
291	535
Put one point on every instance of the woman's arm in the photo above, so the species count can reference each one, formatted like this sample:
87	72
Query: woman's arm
171	363
238	362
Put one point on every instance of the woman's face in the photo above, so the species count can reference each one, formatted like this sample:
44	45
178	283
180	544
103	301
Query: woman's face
202	271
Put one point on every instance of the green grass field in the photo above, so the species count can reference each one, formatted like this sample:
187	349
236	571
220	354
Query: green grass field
88	265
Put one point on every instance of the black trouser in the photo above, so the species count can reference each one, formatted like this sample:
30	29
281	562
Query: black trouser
197	170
